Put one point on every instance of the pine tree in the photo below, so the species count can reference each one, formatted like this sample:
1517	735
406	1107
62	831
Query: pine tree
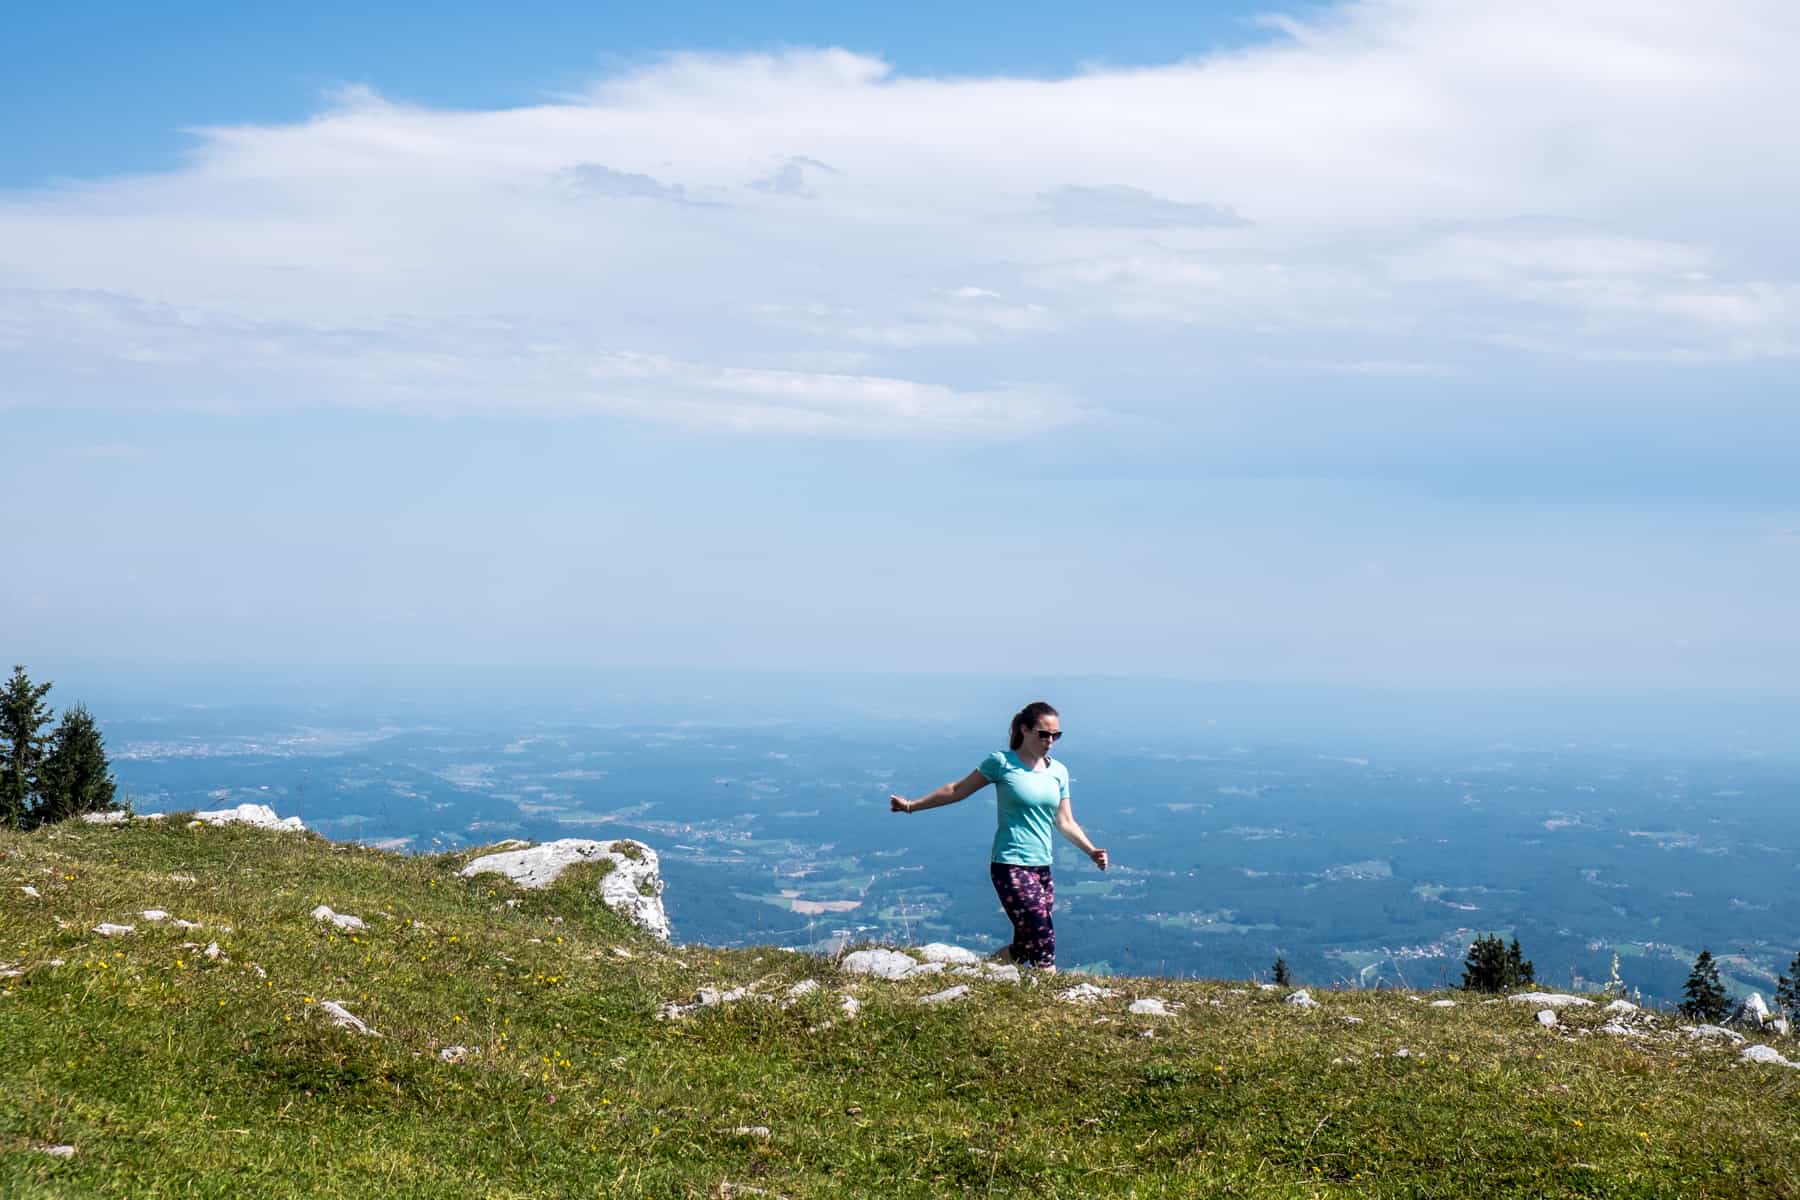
23	715
75	777
1494	967
1787	990
1282	978
1705	991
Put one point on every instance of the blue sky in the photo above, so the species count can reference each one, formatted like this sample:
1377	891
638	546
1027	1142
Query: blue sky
1390	344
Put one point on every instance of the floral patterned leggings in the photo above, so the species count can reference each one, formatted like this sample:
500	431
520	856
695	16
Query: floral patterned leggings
1028	894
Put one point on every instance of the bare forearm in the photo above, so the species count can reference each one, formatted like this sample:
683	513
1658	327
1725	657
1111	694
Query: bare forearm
934	799
1076	834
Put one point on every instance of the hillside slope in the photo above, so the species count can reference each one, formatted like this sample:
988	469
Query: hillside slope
516	1050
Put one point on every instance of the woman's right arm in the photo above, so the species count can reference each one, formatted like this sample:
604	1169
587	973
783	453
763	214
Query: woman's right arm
950	793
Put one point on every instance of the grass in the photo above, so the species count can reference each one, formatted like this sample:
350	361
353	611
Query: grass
175	1074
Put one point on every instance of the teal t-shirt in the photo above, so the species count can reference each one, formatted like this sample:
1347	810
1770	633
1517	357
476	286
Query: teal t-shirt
1026	803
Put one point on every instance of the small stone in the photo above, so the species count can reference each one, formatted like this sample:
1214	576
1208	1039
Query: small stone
947	995
1621	1006
154	914
881	963
1085	993
58	1151
457	1054
1546	1017
752	1131
178	877
946	953
181	924
107	929
1443	1004
1301	999
343	1018
1146	1033
1551	1000
212	951
1150	1006
850	1005
343	921
1403	1052
805	987
1766	1054
31	892
1351	1020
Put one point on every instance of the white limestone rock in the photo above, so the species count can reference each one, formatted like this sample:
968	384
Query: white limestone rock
108	929
1546	1017
1085	993
947	995
64	1151
1753	1013
343	921
881	963
153	915
457	1054
1621	1006
343	1018
1150	1006
1766	1054
805	987
945	953
259	815
850	1006
31	893
1443	1004
1709	1033
1005	972
633	888
1552	1000
1301	999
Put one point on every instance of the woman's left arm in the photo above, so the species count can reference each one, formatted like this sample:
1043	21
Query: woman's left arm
1065	822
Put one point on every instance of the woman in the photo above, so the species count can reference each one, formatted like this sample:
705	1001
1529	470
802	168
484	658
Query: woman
1031	794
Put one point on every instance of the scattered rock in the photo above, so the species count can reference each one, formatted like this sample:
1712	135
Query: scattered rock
947	995
1351	1020
1085	993
1753	1013
1621	1006
1301	999
633	888
1150	1006
57	1151
343	1018
1403	1052
457	1054
178	877
259	815
1618	1029
154	915
31	892
752	1131
343	921
1546	1017
881	963
212	951
108	929
1766	1054
805	987
945	953
1443	1004
988	970
1551	1000
1712	1033
850	1006
181	924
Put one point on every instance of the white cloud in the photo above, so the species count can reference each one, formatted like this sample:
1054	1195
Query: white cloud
1594	181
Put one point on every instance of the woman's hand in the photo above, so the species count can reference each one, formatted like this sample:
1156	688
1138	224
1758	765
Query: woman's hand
899	804
1099	857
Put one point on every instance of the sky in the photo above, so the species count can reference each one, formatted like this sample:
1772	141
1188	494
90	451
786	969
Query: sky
1388	344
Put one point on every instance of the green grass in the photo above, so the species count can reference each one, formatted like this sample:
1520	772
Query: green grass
176	1075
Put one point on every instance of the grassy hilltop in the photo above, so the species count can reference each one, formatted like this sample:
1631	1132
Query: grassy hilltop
172	1073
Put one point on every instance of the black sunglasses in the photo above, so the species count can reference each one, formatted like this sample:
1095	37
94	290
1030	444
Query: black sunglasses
1049	735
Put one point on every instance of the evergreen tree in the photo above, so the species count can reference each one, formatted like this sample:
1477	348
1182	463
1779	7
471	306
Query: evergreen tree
1705	992
23	715
1282	978
1787	990
75	777
1494	967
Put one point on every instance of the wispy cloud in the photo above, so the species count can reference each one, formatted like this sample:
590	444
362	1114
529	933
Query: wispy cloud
1530	177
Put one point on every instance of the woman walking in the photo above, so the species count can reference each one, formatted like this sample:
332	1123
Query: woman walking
1031	794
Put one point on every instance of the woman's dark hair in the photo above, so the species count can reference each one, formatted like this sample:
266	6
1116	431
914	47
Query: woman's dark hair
1027	718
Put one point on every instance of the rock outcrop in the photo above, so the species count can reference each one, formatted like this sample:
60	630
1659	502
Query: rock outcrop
632	888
